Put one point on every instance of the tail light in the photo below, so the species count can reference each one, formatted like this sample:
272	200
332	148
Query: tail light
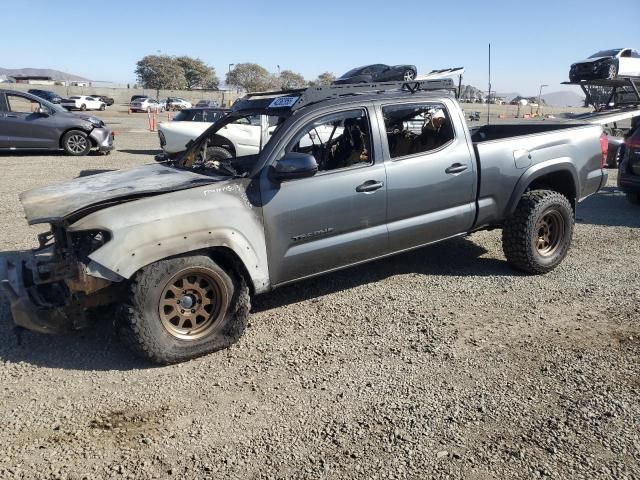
604	147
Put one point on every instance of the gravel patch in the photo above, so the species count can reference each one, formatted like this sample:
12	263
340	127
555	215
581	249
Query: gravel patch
439	363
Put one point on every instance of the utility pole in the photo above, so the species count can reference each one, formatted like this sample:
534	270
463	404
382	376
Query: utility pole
489	100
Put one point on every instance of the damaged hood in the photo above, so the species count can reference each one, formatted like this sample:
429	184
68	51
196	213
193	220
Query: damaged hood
55	202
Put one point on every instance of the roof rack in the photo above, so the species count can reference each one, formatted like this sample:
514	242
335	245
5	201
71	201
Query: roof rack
297	98
623	91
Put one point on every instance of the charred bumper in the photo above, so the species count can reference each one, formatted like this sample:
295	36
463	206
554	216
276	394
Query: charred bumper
49	306
28	312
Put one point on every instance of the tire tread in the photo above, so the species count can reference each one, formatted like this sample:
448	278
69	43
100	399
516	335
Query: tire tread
517	230
147	346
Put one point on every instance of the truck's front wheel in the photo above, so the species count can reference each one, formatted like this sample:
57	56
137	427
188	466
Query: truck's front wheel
536	238
184	307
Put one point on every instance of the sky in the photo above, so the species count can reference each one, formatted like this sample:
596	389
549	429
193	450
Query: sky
532	42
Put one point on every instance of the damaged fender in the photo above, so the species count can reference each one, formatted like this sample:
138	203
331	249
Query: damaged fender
151	229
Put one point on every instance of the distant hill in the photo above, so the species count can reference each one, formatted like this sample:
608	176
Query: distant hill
563	98
471	93
42	72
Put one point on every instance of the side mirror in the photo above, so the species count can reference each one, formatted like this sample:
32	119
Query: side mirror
43	111
295	165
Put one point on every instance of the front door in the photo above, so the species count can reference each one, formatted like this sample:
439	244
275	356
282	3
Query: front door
431	175
336	217
25	126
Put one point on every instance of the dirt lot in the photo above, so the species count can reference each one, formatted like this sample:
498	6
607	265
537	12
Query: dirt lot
440	363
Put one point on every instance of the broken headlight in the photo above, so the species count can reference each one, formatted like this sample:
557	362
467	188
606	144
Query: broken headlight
85	242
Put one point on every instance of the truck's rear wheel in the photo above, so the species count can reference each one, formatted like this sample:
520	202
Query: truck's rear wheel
536	238
182	308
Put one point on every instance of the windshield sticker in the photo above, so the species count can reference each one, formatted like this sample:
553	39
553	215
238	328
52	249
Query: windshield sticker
283	102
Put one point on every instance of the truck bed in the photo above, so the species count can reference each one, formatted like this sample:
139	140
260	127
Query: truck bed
500	131
531	148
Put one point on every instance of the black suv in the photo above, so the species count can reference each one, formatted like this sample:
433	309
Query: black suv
48	95
107	100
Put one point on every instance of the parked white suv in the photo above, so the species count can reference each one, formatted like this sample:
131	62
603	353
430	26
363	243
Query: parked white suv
146	105
83	102
239	138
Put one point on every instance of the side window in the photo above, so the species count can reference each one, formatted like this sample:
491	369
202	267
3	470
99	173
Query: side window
635	54
414	129
336	141
18	104
625	53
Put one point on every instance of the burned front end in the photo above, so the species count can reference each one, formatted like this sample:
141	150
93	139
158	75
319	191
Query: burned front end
52	287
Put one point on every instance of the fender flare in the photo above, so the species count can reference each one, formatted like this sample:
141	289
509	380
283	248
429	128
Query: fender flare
556	165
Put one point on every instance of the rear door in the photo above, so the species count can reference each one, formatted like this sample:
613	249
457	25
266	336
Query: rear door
631	62
336	217
431	177
625	63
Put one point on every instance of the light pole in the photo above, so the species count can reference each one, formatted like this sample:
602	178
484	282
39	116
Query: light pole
278	69
540	97
231	65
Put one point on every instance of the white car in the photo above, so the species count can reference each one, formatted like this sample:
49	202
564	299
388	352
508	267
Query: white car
174	103
83	102
240	138
607	64
147	105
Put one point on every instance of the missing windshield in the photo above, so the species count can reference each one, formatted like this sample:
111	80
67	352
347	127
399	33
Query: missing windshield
232	145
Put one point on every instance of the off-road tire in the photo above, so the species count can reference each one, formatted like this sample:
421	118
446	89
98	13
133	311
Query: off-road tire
72	143
218	153
519	232
633	198
141	329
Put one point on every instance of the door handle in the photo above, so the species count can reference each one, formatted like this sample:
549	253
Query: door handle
11	116
369	186
456	168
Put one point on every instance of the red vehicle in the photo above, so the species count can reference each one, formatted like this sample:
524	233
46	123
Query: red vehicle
629	169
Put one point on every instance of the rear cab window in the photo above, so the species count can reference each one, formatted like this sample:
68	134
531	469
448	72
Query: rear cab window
419	128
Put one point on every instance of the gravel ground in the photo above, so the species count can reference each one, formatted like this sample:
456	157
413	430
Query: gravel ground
440	363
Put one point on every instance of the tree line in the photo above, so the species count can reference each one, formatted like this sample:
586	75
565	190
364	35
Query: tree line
165	72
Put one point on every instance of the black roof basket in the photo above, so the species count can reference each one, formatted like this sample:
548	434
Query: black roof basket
298	98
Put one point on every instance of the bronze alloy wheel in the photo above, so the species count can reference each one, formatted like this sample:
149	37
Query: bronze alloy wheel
549	232
193	303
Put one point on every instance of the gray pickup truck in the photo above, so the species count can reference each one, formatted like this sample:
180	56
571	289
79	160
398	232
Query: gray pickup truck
345	174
